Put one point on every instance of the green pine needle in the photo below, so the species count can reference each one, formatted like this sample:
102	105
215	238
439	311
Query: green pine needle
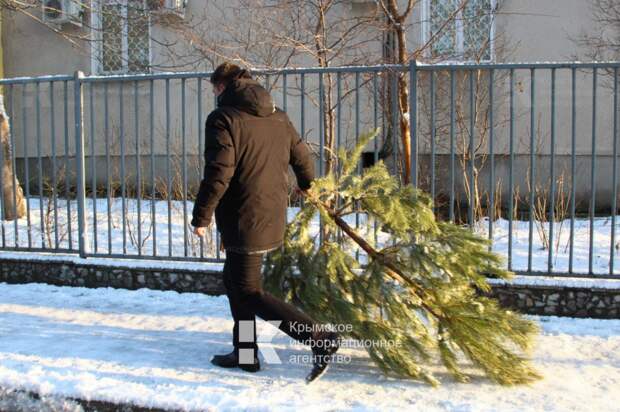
421	292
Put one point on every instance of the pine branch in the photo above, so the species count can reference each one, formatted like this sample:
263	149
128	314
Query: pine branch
391	269
421	291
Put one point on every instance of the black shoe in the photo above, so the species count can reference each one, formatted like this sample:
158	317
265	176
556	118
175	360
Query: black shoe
322	355
231	360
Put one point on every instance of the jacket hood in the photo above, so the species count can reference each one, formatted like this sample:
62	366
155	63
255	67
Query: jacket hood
247	95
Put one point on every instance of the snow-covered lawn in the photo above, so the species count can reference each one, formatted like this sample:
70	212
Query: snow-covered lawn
152	348
169	231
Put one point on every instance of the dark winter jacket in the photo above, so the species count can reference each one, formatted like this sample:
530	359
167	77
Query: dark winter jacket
249	146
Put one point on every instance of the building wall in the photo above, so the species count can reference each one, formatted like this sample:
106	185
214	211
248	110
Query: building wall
526	30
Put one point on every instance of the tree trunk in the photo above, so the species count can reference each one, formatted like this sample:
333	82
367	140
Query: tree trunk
403	107
12	197
395	24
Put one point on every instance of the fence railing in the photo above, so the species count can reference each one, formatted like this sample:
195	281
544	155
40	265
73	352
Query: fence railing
524	153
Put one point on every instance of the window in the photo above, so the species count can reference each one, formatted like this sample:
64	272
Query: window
459	33
123	37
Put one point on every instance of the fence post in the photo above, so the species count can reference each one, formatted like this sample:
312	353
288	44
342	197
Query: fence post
413	119
79	157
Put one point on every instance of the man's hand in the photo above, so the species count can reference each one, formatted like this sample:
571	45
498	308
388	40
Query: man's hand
200	231
301	192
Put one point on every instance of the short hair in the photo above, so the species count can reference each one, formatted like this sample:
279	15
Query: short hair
227	72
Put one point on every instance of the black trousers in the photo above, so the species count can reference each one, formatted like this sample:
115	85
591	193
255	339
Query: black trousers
243	281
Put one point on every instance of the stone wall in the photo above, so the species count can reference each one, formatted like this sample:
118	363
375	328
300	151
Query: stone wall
555	299
78	272
579	302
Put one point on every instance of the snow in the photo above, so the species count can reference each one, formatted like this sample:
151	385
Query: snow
169	235
601	228
169	240
18	401
116	262
544	281
152	348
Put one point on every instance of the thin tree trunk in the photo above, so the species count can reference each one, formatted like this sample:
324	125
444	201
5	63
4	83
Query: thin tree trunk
395	23
403	107
12	197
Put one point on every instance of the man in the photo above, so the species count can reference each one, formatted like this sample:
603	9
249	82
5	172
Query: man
249	146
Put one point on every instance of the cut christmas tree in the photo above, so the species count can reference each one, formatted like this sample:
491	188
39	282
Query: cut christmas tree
419	298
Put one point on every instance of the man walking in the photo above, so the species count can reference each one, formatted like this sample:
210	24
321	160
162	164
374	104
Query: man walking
249	144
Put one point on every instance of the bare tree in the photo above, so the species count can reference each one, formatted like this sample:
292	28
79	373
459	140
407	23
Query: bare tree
602	41
32	9
272	35
396	24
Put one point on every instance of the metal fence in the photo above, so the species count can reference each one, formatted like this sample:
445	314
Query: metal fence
524	153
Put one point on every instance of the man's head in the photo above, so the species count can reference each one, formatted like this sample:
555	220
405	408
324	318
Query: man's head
224	74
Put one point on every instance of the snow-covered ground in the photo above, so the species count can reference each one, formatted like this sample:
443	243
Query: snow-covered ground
169	232
152	348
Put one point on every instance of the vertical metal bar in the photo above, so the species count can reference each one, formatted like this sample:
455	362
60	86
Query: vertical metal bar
552	173
200	144
168	176
592	174
452	142
339	110
54	178
394	103
357	135
184	167
66	128
26	168
338	132
93	164
106	132
472	125
375	122
153	186
217	233
122	144
14	164
413	115
138	171
2	198
573	168
614	209
511	166
40	163
321	126
79	155
321	142
433	131
303	106
532	166
491	212
285	108
357	110
284	92
303	113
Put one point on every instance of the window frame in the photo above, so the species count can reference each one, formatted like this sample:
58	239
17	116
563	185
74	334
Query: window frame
97	38
426	34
